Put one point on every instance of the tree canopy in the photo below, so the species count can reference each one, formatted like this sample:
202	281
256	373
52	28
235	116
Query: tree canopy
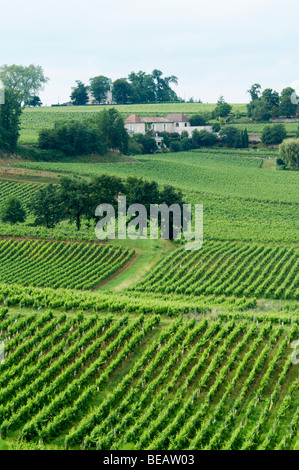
26	82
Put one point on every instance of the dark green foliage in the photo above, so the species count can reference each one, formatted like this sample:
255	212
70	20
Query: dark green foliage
10	113
222	109
79	95
97	135
234	138
144	88
216	127
197	120
273	134
99	86
12	211
175	146
46	206
147	142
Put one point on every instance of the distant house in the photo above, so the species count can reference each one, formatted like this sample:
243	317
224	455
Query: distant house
175	122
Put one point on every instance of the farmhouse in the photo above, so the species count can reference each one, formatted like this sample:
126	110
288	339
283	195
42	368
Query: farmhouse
175	122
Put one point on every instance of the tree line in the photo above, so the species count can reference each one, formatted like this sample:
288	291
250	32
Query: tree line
140	87
98	134
75	200
268	103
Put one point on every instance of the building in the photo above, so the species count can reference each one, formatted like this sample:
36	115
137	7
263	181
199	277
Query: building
172	123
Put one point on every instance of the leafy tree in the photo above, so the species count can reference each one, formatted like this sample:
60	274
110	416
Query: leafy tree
197	120
46	206
186	144
162	85
143	87
261	112
35	102
148	143
273	134
79	95
75	197
216	127
99	86
271	100
103	189
12	211
25	81
122	91
255	91
104	131
286	107
229	134
222	109
289	152
10	114
175	146
143	192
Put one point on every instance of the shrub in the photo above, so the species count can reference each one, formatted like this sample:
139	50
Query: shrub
289	152
273	134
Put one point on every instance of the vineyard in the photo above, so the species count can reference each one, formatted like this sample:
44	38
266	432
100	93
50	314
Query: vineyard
23	191
58	264
103	382
33	120
140	343
238	269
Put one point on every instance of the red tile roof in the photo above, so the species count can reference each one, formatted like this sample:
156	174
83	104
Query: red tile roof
133	118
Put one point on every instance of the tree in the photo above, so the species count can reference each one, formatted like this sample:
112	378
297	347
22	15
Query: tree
25	81
271	100
12	211
273	134
287	108
230	135
260	111
163	90
289	152
148	143
197	120
122	91
46	206
255	91
75	198
222	109
10	114
35	102
99	86
79	95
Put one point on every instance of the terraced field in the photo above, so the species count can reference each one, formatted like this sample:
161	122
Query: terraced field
58	264
239	269
103	382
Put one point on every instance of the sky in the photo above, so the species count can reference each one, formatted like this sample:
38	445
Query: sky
213	47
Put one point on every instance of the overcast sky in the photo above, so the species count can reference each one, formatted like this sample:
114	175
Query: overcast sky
213	47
